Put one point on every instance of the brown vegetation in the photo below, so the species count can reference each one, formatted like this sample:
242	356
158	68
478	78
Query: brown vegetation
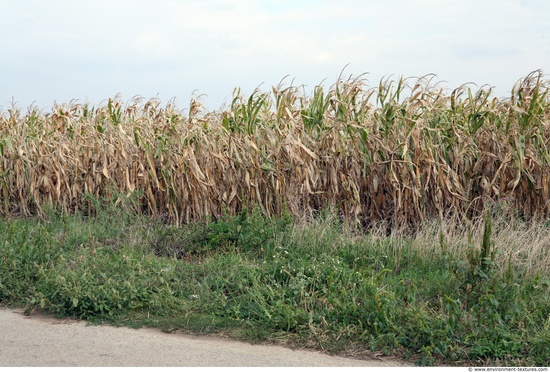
401	152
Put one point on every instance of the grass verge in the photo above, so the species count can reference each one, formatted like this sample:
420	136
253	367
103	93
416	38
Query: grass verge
444	296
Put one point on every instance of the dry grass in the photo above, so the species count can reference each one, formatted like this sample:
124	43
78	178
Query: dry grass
402	152
523	247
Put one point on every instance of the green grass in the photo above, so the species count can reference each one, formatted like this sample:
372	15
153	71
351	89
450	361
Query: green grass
435	298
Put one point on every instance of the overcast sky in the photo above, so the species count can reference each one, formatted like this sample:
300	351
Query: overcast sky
59	50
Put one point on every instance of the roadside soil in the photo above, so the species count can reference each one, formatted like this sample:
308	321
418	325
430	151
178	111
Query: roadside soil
40	340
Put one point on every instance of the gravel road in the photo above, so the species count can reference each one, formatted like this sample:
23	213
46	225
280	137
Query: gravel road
40	340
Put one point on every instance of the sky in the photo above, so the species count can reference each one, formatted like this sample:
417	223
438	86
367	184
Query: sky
89	51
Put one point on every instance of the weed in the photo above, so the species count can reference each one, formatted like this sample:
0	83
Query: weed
319	284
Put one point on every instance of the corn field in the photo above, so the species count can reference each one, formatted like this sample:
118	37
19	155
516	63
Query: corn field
400	152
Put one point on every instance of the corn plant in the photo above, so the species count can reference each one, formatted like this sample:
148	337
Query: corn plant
399	152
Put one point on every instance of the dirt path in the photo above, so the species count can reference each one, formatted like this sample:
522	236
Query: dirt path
39	340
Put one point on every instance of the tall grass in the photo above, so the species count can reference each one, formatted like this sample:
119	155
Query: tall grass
439	298
401	152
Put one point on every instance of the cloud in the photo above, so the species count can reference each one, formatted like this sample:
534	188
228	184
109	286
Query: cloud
61	48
